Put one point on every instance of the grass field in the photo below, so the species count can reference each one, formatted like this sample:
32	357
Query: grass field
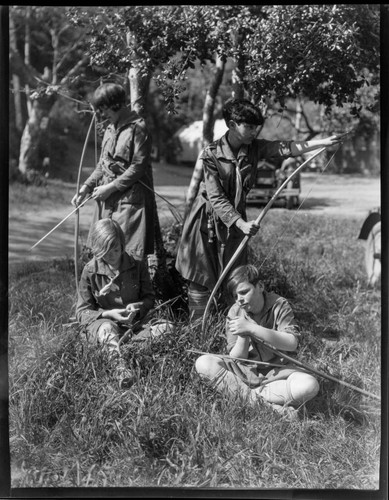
71	427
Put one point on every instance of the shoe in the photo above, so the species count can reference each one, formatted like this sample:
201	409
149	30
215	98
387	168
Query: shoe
286	411
127	381
126	377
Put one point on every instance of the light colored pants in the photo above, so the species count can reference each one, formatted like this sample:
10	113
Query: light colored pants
292	388
108	336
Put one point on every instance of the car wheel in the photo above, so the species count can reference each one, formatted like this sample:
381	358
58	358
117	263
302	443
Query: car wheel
373	255
292	202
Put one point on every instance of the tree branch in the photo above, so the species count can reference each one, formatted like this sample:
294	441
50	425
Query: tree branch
75	45
27	73
75	69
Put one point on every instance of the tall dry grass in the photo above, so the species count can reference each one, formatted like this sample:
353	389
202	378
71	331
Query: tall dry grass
70	426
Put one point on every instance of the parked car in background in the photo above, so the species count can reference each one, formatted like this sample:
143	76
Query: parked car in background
371	233
270	176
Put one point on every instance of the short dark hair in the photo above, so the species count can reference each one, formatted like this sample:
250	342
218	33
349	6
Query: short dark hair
241	274
242	111
110	95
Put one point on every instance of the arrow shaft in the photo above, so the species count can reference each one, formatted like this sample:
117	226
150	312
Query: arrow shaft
152	311
318	372
176	214
61	222
225	356
295	362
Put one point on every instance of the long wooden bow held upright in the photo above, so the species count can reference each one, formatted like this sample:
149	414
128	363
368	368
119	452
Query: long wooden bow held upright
77	220
247	237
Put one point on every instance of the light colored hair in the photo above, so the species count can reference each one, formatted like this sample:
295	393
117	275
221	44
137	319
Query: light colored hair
105	234
242	274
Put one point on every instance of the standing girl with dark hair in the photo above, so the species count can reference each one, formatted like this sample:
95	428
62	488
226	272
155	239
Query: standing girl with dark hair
123	180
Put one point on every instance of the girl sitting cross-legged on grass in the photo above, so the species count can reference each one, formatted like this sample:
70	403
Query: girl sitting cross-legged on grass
258	315
115	290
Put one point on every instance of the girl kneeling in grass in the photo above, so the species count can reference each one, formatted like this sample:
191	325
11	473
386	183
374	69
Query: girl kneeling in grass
115	290
258	315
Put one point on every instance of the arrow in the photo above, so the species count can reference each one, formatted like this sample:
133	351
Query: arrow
62	221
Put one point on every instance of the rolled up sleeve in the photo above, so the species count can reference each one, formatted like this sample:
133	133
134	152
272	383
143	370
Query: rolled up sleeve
284	318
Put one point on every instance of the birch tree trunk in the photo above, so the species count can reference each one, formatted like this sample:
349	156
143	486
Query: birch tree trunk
139	86
17	98
210	98
237	79
239	69
30	157
27	44
208	124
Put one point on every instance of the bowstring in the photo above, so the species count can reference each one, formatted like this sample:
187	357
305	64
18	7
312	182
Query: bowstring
77	221
295	212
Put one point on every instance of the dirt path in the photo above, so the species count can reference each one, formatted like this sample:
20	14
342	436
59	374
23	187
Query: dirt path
348	196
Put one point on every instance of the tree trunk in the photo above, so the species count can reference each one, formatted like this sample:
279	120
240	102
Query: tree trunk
297	121
18	106
17	97
139	86
239	71
34	134
208	125
237	80
27	45
209	105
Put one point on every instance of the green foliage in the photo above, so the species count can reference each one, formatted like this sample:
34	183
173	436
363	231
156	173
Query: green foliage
168	38
317	51
326	53
71	426
321	52
55	46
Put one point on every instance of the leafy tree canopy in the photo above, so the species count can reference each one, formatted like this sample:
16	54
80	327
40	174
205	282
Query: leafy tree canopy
325	53
322	52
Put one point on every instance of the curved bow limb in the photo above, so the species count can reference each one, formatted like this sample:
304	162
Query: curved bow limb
247	237
77	221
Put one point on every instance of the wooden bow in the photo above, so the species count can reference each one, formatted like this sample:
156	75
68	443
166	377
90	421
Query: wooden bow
247	237
77	221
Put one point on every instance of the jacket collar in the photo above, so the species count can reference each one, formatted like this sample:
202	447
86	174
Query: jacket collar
100	267
128	116
223	149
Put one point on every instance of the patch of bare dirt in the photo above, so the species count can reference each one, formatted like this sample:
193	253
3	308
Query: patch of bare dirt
338	195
